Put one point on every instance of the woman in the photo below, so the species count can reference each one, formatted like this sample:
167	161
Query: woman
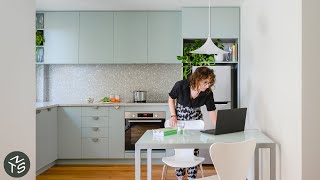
185	100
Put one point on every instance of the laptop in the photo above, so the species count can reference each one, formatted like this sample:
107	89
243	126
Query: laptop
229	121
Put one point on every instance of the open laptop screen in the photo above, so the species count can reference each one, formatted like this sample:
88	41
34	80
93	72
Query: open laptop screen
229	121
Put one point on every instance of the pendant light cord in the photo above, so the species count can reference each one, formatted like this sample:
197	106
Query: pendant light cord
209	18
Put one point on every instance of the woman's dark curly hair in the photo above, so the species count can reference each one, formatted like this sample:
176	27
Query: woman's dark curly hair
202	73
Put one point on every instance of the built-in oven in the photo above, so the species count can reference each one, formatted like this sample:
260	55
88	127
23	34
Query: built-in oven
137	123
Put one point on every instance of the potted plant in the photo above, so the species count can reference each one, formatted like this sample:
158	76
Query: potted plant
39	38
188	59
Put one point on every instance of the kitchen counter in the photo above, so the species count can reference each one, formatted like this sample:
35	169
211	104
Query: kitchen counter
44	105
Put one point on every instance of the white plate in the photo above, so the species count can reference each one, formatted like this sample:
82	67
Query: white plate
106	102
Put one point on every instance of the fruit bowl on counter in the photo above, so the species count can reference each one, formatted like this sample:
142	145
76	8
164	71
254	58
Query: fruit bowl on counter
109	100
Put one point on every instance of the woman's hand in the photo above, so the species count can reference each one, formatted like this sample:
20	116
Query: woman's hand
173	121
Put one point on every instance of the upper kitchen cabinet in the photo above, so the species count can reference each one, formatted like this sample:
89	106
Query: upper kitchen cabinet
61	37
96	38
130	37
225	22
164	37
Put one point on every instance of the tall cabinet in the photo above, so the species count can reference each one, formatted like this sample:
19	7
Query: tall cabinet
61	37
225	22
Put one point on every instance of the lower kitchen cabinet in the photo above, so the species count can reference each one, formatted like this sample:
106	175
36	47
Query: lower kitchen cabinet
116	132
46	137
94	148
69	132
94	123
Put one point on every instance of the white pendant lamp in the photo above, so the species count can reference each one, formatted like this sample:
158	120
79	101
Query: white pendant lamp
209	47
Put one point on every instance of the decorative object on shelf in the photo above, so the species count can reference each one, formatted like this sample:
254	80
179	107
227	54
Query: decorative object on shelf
39	55
188	59
219	57
234	53
209	47
39	20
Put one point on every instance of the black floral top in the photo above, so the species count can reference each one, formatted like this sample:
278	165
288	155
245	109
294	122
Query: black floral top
186	108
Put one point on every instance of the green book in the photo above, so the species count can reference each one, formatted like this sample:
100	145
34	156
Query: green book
164	131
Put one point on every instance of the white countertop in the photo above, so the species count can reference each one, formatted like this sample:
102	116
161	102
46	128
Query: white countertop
44	105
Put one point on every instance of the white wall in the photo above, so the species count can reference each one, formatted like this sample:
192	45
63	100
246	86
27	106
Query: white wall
17	79
310	90
270	77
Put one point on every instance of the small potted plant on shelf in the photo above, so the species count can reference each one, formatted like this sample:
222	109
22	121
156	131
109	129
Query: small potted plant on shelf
188	59
39	38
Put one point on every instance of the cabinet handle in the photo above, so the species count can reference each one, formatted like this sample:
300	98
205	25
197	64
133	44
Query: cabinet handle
95	128
38	111
116	107
95	117
95	139
95	107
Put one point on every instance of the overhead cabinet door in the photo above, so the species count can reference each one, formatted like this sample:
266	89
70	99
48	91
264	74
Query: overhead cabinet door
130	37
61	37
224	22
96	38
164	37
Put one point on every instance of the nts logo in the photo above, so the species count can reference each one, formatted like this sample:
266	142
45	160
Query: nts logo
16	164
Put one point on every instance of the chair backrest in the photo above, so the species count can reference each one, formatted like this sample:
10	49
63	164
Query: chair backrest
186	154
231	160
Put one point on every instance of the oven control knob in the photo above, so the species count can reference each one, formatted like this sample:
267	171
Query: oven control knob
156	115
133	115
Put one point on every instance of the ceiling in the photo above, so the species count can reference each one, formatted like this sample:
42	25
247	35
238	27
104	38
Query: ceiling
87	5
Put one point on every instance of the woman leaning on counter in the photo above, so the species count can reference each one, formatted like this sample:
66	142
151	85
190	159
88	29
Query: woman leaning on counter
185	100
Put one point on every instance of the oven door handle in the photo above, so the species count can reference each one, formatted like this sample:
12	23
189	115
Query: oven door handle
133	121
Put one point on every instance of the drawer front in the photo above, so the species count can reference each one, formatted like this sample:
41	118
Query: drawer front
94	132
95	111
94	121
94	148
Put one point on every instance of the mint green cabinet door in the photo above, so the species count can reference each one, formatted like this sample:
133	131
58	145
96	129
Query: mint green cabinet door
225	22
195	23
116	132
96	38
130	37
46	137
69	133
164	37
61	37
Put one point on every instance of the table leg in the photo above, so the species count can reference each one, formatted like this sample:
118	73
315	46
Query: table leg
273	162
256	164
137	164
149	163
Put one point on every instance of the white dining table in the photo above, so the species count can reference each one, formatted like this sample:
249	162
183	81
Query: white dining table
197	139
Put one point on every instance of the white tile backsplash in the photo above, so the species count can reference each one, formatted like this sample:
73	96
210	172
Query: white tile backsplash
77	82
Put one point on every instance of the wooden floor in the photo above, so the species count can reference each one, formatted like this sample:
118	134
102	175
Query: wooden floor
115	172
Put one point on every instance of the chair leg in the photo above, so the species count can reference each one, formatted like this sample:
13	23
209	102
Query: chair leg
201	170
164	172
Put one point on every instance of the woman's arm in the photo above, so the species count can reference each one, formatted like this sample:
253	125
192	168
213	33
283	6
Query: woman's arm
172	109
213	117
